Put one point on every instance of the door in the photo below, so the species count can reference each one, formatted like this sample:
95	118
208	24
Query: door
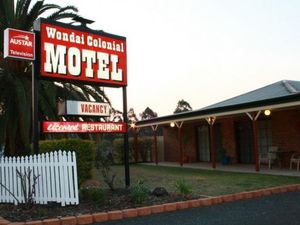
203	144
244	141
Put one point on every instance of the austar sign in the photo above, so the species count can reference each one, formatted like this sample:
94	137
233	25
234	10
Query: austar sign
72	53
19	44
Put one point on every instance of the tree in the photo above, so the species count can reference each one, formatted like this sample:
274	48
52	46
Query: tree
132	118
148	114
15	79
182	106
116	115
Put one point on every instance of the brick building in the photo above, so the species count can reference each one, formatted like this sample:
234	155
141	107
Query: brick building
237	130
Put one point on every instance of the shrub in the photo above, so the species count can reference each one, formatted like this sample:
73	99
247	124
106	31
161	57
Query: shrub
96	195
183	187
85	153
145	148
139	193
118	150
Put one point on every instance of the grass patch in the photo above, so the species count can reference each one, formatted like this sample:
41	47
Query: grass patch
202	182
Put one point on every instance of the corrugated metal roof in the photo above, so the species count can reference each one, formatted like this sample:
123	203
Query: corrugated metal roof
276	90
280	94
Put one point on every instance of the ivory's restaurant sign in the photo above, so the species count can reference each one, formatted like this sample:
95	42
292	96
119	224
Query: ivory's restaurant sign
82	127
19	44
78	54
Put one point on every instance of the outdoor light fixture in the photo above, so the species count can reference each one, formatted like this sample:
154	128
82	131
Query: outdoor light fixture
132	125
267	112
172	124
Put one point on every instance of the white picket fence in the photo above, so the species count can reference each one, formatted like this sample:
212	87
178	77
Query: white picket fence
56	178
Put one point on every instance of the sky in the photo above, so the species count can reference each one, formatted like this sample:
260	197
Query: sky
202	51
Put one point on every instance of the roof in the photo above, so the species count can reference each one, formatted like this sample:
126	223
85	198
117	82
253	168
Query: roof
281	94
272	91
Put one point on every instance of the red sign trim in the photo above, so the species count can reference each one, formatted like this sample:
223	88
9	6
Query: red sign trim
78	54
83	127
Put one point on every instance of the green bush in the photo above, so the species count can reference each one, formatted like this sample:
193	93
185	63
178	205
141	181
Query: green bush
118	150
144	148
183	187
139	193
85	153
96	195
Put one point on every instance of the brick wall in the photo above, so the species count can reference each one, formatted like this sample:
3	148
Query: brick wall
285	134
286	129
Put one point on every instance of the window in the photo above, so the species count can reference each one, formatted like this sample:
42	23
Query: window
264	135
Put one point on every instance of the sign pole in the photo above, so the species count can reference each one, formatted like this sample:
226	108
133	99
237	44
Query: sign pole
126	142
35	90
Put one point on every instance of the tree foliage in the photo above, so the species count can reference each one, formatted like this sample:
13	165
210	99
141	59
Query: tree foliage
15	78
183	106
148	114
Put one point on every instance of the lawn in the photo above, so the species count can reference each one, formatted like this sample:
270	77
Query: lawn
203	182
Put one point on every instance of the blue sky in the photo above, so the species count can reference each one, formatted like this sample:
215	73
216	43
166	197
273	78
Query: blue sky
203	51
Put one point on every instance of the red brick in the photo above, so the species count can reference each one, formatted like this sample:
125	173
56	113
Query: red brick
169	207
266	191
182	205
70	220
128	213
17	223
36	222
275	190
4	221
228	198
100	217
292	188
248	195
157	209
238	196
206	202
85	219
115	215
51	222
144	211
194	203
216	200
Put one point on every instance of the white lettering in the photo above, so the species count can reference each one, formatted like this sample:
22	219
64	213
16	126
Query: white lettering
116	74
55	60
74	61
89	57
103	60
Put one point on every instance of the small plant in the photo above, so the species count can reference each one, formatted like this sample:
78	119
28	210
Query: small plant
28	185
96	195
104	162
139	193
183	187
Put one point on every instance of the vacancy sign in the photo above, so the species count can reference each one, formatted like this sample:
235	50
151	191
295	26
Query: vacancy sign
83	127
77	54
81	108
19	44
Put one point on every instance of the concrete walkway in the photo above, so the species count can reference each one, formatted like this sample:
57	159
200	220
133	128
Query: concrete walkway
243	168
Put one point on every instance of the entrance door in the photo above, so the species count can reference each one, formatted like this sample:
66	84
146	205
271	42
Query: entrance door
203	144
244	141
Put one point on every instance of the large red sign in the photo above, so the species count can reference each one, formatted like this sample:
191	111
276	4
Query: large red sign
73	53
19	44
83	127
